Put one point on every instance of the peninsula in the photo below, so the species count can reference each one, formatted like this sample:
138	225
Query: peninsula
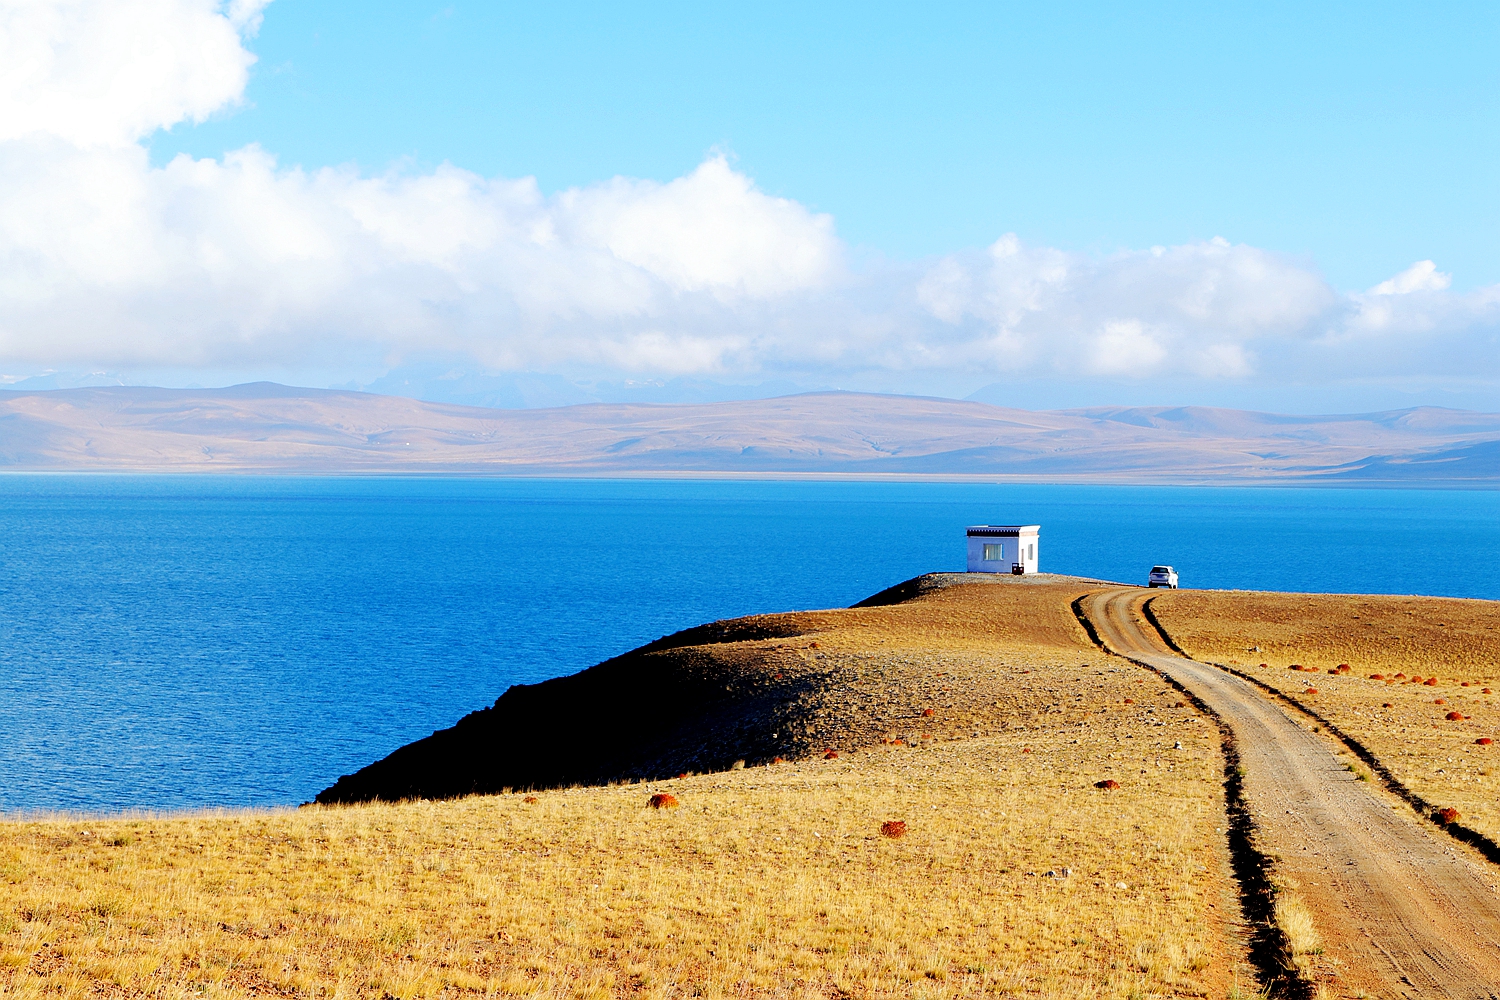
965	785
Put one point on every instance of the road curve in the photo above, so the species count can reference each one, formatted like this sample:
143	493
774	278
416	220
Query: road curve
1403	910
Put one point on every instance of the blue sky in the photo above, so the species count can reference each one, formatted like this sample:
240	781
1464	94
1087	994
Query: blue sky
1362	136
1273	205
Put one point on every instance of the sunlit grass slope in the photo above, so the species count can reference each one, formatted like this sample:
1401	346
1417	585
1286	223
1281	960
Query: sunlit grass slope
767	881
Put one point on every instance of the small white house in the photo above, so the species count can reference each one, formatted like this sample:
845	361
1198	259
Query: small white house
1003	548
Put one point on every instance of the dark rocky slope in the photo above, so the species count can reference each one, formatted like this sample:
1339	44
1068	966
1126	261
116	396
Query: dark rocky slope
695	701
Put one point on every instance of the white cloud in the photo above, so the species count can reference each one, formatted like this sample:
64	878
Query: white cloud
1186	309
109	73
1124	347
708	231
104	258
238	261
1423	276
1413	321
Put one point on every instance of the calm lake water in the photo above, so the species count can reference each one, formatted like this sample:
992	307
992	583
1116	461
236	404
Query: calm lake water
174	642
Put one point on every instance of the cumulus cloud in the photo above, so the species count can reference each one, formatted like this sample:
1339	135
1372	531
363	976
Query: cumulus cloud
105	258
240	260
1186	309
1407	321
109	73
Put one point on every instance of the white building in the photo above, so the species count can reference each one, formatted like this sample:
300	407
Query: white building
1003	548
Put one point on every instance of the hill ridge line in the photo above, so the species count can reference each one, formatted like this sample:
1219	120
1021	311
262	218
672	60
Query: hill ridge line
267	427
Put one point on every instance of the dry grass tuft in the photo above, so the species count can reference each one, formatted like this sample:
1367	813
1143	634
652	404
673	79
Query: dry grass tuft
1296	923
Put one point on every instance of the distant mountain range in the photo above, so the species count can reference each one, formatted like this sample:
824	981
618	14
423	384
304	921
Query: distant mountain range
264	427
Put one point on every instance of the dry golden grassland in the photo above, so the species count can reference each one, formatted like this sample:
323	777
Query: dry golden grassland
767	881
1454	644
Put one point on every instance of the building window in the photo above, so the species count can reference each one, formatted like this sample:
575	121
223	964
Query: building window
993	553
1031	551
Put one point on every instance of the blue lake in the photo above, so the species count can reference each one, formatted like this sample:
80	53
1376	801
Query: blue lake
175	642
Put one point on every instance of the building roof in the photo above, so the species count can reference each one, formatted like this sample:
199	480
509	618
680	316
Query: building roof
1003	530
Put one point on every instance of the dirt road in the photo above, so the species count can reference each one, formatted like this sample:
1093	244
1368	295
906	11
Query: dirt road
1403	910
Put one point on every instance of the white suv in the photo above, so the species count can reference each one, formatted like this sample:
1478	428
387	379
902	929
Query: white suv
1162	576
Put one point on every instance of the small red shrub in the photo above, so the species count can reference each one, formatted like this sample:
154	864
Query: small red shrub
1130	701
530	800
895	829
1108	784
1311	691
898	743
1377	677
778	760
1399	676
1344	668
1446	815
1485	691
1387	705
682	774
1454	716
1440	701
926	713
831	755
663	800
1026	749
1430	682
1484	741
1464	684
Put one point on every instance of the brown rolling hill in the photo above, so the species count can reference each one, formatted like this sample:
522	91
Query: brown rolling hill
264	427
944	654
